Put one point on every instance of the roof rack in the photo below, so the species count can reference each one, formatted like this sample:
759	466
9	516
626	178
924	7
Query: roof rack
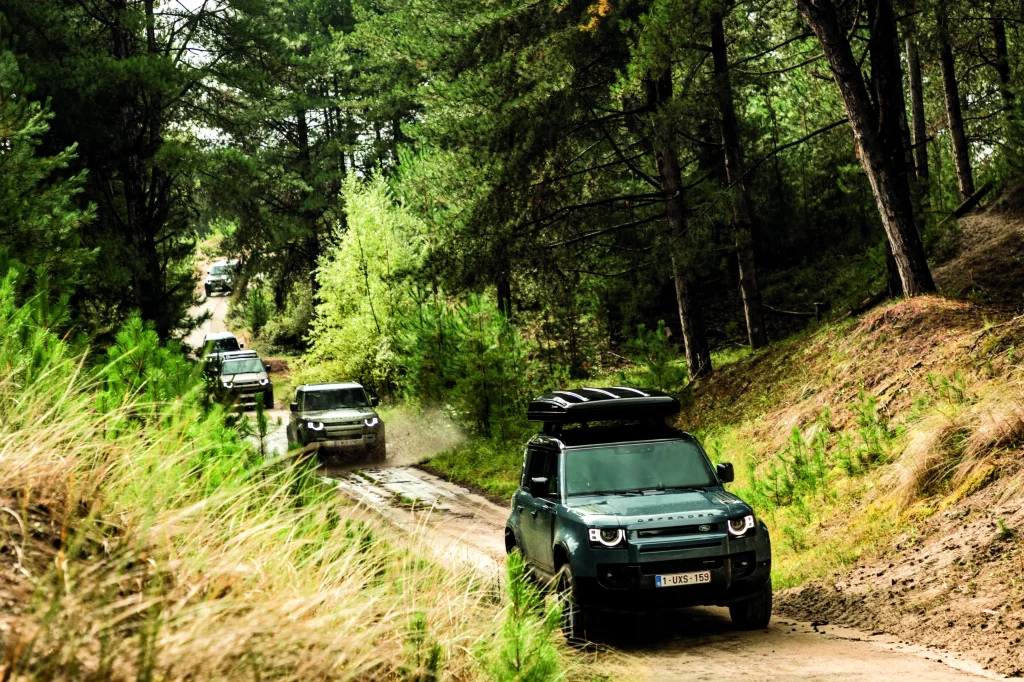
600	404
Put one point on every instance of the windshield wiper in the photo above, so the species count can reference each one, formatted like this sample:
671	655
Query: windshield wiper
661	489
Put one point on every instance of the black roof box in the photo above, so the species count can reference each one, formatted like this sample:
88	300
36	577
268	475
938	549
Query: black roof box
597	404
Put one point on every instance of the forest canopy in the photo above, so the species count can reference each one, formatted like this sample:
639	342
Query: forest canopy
553	179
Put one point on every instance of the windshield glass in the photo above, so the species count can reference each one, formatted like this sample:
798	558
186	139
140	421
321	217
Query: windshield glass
223	345
636	466
220	270
334	399
246	366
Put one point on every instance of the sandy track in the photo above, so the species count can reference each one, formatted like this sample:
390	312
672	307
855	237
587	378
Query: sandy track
695	644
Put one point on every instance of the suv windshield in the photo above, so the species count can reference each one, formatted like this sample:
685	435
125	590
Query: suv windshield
246	366
220	270
223	345
636	466
333	399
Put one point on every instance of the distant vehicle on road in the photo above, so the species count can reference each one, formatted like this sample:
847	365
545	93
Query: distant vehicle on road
338	416
243	376
221	277
216	344
632	516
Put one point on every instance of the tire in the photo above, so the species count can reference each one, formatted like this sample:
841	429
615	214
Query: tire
754	613
578	623
207	290
379	451
268	398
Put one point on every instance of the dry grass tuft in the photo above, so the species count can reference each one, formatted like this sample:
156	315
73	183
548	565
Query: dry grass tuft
928	458
996	421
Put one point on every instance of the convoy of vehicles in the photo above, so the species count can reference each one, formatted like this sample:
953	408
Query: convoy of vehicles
615	510
338	415
632	516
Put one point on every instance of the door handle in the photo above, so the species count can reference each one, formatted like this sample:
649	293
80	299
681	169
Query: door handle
534	513
519	509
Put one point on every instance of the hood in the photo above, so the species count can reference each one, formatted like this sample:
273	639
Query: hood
343	414
666	506
247	377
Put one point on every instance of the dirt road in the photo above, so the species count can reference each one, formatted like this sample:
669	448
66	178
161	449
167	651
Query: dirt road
697	644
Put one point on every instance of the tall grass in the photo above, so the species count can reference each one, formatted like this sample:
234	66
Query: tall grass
146	540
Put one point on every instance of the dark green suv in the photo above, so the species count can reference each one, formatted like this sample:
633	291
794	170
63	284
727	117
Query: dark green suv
632	516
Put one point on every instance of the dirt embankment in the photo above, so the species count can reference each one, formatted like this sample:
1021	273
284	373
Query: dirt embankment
957	583
945	566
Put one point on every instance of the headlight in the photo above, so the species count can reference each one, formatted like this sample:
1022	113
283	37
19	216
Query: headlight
208	280
315	426
741	526
264	382
607	537
228	384
371	422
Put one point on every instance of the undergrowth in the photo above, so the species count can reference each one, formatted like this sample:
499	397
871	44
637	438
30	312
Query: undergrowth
144	538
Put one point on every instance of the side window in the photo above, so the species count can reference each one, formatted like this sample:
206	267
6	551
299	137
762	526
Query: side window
522	472
542	463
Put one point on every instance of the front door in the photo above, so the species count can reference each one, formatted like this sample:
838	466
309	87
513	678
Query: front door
538	517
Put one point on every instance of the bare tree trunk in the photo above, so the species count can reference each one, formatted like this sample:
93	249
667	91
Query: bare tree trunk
887	80
890	196
954	115
1002	61
1003	69
734	175
698	354
917	110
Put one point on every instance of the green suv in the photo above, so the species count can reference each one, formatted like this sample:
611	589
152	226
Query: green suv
338	416
631	516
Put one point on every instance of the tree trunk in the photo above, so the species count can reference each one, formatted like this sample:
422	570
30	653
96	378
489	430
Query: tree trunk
1002	61
734	175
892	200
954	115
1003	69
887	80
917	111
698	354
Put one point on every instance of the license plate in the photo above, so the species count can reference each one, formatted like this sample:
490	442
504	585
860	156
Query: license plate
677	579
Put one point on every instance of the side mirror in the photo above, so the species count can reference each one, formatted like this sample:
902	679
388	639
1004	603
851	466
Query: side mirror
241	345
725	472
294	407
374	401
266	367
539	486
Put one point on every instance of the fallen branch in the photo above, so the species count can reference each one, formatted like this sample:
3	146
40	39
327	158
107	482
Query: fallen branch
796	313
969	204
868	303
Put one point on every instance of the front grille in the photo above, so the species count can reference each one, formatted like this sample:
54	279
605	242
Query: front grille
677	530
681	565
666	547
344	435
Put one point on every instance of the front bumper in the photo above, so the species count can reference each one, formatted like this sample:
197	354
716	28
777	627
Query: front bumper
352	441
218	285
631	587
248	392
